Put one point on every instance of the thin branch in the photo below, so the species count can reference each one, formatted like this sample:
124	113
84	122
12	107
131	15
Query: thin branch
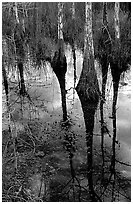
123	163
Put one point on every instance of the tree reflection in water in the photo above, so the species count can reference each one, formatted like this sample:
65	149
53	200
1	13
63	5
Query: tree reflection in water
116	185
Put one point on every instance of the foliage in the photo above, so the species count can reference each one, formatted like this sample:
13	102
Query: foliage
41	29
124	52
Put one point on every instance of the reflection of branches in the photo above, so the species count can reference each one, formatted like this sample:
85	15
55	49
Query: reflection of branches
102	139
123	163
71	148
112	167
123	181
105	188
124	195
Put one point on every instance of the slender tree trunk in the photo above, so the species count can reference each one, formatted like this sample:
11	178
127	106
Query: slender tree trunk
22	82
116	66
102	139
5	80
73	49
113	158
74	65
115	70
4	74
104	65
20	52
63	96
107	47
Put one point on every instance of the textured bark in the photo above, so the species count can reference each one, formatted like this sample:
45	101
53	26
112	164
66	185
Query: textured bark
107	49
88	92
60	20
73	48
59	63
117	21
116	66
59	66
74	65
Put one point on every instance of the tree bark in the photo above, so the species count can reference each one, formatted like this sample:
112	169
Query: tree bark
116	65
107	49
73	48
59	63
88	92
59	66
74	65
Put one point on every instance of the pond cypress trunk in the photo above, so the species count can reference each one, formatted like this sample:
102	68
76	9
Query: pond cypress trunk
88	92
74	65
106	44
59	65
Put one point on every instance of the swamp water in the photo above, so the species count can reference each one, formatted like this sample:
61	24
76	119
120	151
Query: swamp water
47	89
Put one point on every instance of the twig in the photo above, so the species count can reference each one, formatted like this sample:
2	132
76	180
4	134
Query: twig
31	137
123	163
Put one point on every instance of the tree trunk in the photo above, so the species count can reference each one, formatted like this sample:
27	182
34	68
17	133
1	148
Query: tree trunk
63	96
59	63
59	66
104	65
22	83
74	65
102	139
89	117
116	72
89	102
107	48
60	20
73	48
88	92
115	66
5	79
19	37
113	158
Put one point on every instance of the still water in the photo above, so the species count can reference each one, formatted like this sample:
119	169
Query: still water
45	85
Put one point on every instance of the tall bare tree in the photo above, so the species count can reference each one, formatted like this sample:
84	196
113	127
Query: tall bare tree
104	45
73	47
88	92
106	49
116	63
116	72
20	52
